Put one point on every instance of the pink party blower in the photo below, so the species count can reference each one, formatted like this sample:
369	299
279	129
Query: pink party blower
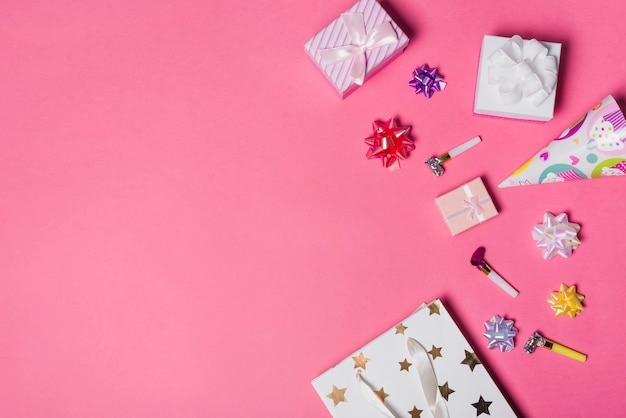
478	262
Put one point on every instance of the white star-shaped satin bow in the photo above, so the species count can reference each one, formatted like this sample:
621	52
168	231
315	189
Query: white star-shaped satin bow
556	236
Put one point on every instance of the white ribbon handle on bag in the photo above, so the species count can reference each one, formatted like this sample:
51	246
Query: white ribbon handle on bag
362	42
427	378
371	397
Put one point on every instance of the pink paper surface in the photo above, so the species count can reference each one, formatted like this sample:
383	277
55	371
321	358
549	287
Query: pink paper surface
190	227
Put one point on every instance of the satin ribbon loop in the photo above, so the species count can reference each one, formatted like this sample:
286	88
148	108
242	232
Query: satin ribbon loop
362	42
474	207
522	71
427	379
371	397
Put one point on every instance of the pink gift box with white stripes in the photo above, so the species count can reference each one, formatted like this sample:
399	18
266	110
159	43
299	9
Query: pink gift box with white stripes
341	57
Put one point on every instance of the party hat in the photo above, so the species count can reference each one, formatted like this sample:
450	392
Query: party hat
593	146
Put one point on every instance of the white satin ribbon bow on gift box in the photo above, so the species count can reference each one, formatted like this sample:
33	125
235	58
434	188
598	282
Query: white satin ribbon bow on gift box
362	42
523	71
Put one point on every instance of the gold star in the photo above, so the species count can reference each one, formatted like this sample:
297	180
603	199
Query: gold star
400	329
482	406
566	301
381	394
404	365
471	360
360	361
415	413
337	395
435	352
445	391
433	308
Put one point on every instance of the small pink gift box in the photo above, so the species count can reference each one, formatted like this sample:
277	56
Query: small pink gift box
356	45
466	206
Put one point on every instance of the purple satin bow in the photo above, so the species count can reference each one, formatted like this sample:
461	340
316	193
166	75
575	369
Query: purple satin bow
426	80
500	333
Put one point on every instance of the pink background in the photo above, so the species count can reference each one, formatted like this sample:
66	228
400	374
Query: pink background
190	227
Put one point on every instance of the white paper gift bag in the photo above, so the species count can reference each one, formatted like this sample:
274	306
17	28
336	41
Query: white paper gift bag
423	367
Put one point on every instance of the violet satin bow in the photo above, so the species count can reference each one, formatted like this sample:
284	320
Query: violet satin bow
500	332
523	71
362	42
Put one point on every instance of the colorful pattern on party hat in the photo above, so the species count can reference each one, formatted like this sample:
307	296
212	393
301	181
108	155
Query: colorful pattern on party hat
569	175
593	146
621	166
616	119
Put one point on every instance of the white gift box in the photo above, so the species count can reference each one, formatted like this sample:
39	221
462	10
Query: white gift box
517	78
423	367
